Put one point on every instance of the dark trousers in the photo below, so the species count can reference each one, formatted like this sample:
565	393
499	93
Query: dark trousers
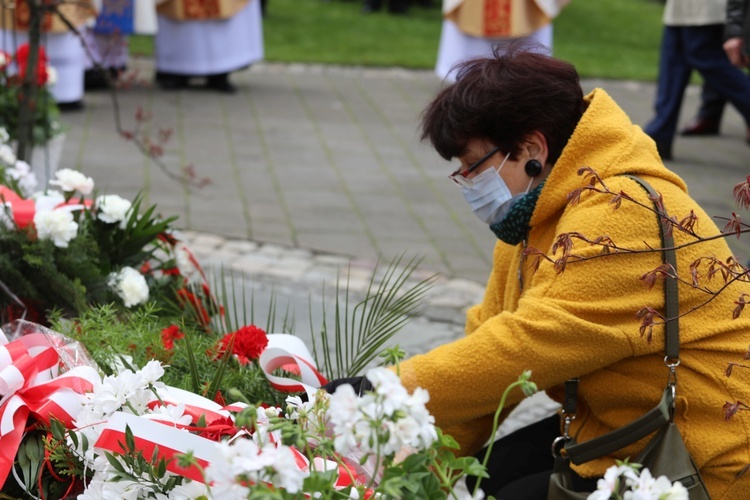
712	103
394	6
520	464
683	49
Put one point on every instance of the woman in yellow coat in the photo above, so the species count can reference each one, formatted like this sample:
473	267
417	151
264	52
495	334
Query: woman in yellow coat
521	128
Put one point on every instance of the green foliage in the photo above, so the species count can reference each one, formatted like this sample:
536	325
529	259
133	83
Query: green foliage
42	274
107	333
47	277
46	113
30	466
131	465
611	38
360	332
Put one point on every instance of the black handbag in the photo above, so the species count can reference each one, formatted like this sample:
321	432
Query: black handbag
665	454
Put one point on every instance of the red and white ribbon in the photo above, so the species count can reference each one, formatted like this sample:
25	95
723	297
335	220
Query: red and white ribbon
30	386
290	353
148	435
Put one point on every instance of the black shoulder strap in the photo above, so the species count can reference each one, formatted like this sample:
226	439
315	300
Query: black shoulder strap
671	300
661	414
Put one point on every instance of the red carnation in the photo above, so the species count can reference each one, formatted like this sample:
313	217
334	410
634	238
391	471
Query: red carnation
218	428
22	59
169	335
247	343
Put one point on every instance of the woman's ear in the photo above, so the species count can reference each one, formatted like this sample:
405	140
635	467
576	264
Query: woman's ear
535	146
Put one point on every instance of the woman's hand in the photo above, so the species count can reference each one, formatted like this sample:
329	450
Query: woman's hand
360	385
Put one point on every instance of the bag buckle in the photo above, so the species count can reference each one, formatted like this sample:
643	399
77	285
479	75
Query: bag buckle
672	364
558	445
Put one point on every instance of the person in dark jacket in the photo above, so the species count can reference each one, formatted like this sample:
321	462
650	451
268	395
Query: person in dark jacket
737	32
737	47
692	40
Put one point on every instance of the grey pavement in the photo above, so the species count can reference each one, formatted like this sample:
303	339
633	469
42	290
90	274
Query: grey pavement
317	167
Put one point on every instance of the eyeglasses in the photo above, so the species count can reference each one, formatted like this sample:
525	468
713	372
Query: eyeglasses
462	178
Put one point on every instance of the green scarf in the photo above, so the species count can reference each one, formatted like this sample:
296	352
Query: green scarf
515	226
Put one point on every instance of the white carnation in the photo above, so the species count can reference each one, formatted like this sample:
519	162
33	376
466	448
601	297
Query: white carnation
22	174
171	414
51	76
4	136
7	156
130	285
56	225
152	372
112	208
20	169
73	180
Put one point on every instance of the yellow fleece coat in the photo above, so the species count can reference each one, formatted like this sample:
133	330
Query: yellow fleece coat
582	322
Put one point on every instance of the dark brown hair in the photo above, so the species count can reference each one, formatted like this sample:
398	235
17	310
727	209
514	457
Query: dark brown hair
503	99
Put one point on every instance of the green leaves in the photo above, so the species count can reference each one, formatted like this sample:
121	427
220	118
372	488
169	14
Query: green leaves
151	473
29	460
361	332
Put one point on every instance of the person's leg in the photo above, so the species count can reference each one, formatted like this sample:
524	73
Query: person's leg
171	81
674	74
220	82
398	6
519	454
703	49
372	5
708	119
712	103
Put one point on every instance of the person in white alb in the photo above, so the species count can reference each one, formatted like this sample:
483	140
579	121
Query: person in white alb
472	28
208	39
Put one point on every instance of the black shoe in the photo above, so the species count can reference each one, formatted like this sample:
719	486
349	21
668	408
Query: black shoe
398	7
70	106
96	79
665	150
171	81
372	6
701	127
93	79
220	83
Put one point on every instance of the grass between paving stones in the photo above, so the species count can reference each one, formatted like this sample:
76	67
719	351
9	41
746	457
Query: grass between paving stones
603	38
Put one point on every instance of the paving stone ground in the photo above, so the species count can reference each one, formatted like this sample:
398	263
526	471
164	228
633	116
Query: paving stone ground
314	169
328	159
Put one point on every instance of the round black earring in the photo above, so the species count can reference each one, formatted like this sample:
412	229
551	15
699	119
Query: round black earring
533	168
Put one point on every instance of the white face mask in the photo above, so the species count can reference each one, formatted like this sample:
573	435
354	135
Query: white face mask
489	196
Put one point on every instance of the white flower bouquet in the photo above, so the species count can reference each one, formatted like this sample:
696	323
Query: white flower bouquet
128	435
65	248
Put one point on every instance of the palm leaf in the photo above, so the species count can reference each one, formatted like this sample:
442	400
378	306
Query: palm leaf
360	333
